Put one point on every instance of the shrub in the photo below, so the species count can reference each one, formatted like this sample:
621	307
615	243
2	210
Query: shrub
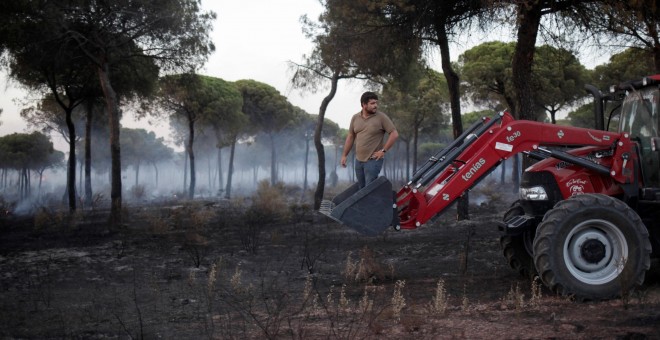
270	201
138	192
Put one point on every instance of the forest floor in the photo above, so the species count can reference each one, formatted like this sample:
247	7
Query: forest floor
216	269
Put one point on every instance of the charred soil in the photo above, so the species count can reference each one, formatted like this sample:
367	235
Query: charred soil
220	269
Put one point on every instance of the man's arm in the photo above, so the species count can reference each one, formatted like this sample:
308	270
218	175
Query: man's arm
388	144
391	139
347	148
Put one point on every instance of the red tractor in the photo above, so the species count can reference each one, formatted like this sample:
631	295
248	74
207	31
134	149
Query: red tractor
587	215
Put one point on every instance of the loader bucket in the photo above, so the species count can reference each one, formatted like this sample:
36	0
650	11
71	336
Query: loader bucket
368	211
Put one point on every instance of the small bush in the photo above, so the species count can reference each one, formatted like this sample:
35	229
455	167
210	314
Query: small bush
155	222
373	270
6	207
200	218
270	201
138	192
58	219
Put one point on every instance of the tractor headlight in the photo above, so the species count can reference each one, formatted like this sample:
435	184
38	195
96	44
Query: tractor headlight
533	194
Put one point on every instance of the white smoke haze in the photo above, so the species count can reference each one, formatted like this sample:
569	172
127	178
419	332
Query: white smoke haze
169	180
171	186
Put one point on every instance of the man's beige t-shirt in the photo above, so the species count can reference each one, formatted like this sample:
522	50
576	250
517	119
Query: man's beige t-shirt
369	133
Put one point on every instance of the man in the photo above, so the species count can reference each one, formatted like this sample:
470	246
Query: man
367	129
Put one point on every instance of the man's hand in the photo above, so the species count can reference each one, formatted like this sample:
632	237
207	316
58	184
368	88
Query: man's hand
378	155
347	148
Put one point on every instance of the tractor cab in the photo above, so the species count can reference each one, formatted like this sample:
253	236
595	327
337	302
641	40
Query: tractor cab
639	118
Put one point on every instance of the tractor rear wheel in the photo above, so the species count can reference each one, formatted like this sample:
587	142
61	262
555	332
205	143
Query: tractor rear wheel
592	247
517	249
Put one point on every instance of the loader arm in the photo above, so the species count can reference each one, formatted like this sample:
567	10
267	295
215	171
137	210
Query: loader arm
439	185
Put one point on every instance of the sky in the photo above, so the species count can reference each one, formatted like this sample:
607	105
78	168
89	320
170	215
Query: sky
254	39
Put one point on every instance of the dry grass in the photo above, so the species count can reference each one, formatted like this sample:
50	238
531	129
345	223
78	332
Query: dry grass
156	222
271	201
537	295
398	300
440	302
367	268
60	219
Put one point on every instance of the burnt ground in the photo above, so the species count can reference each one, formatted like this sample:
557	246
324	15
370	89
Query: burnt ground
219	270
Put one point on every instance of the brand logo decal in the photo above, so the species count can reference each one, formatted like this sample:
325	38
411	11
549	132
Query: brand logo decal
576	181
576	190
513	136
576	186
560	134
473	170
445	197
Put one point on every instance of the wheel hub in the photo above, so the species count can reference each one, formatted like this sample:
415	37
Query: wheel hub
593	251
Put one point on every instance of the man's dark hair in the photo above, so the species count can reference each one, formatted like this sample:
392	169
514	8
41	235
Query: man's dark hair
367	96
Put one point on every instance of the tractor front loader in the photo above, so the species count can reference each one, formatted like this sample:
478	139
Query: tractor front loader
587	214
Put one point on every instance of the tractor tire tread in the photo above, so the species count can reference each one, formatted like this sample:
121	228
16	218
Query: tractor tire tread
543	242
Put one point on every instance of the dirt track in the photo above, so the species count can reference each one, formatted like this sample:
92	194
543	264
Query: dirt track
210	270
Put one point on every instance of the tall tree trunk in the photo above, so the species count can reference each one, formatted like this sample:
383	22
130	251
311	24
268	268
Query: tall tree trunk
71	173
115	150
656	56
273	160
191	156
553	114
23	187
503	172
408	160
156	171
137	174
318	132
414	149
529	19
41	176
230	168
185	170
220	173
209	173
305	164
88	154
453	84
80	174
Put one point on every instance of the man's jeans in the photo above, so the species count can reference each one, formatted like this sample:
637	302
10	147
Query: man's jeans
367	172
